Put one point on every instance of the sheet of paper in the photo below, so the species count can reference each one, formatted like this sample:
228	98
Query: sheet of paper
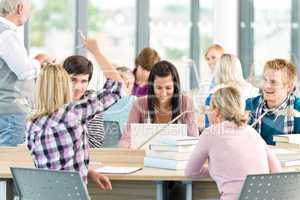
117	170
141	132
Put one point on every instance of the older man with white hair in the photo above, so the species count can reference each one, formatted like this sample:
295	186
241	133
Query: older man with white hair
16	68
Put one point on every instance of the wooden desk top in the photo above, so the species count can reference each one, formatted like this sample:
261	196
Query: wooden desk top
5	171
153	174
20	158
145	174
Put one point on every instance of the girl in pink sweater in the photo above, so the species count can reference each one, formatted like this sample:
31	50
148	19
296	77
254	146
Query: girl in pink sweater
232	148
163	103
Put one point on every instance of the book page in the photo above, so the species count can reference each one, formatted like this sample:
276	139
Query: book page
117	170
141	132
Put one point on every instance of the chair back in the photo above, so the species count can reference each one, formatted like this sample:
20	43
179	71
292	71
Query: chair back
272	186
112	134
41	184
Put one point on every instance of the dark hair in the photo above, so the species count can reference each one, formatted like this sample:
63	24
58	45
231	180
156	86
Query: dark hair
78	65
164	69
146	59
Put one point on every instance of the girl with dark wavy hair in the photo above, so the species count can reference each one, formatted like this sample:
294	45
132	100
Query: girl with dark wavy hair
163	103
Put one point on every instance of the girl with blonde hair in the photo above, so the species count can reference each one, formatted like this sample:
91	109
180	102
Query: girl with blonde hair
56	131
233	148
229	71
213	53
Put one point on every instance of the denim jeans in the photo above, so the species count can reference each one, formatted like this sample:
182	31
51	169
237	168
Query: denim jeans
12	129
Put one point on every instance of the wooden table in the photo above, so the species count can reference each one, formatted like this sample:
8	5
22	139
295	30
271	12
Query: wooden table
149	181
141	185
145	184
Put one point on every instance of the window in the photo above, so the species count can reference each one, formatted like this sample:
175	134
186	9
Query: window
272	32
170	33
268	30
51	28
206	36
113	25
169	28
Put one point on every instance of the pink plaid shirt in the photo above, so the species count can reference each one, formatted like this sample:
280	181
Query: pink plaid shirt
59	141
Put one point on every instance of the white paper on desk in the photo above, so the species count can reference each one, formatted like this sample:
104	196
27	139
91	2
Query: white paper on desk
117	170
141	132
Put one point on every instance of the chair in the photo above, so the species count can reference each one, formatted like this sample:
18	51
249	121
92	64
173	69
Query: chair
41	184
277	186
112	134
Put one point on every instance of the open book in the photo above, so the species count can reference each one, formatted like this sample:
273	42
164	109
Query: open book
141	132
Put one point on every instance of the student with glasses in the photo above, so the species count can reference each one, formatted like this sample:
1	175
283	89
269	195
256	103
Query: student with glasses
277	95
231	148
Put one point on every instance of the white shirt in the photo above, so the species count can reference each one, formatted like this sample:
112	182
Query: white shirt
12	50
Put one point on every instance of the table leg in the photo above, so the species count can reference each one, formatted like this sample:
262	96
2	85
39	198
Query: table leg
159	190
189	190
7	187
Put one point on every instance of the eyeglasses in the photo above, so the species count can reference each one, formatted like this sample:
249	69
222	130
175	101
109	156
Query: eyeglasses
273	83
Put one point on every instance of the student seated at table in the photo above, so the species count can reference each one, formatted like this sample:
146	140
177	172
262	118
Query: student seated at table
119	112
80	70
56	132
143	65
232	148
212	55
229	71
163	103
279	80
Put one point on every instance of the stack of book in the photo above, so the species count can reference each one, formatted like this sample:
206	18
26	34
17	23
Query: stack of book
288	150
288	141
170	152
289	159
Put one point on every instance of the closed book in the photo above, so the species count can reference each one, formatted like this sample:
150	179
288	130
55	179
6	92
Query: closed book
288	138
164	163
289	163
173	148
287	145
292	156
179	140
288	158
169	155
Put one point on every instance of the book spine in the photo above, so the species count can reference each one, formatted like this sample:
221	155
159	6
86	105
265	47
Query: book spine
160	163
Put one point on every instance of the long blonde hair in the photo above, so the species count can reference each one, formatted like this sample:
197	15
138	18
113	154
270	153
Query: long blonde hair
229	70
228	101
53	90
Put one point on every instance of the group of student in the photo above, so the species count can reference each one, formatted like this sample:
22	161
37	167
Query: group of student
240	125
67	118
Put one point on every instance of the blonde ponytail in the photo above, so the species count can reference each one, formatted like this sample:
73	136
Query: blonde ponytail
53	90
228	101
